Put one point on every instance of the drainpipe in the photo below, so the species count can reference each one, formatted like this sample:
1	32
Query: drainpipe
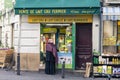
100	28
19	39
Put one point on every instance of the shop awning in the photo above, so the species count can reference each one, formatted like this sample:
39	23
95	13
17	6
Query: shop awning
111	13
61	6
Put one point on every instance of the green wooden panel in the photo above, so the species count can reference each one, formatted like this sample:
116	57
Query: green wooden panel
73	44
56	3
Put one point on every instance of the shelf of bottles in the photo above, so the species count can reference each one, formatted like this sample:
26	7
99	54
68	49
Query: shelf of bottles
106	65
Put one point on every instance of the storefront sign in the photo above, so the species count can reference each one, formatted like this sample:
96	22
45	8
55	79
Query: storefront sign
56	11
62	30
49	30
60	19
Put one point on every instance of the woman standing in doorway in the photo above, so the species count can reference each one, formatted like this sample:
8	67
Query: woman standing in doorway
51	57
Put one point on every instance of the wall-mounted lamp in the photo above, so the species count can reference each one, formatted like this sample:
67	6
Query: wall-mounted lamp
96	25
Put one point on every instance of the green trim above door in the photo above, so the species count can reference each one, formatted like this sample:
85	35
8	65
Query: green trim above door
73	44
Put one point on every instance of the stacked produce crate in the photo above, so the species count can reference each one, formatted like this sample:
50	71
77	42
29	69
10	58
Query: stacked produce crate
5	57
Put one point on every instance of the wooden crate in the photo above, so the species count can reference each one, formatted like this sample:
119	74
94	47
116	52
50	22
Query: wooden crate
2	58
88	68
5	57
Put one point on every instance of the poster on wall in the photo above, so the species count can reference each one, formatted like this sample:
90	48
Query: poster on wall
67	57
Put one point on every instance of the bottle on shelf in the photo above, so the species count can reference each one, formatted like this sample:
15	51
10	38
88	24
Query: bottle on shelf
117	61
113	61
107	61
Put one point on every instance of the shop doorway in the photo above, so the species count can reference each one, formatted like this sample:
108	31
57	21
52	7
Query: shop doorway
83	45
61	34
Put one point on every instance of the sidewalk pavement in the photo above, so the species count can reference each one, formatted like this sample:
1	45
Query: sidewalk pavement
25	75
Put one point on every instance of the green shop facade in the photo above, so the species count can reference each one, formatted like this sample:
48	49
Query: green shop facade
73	25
